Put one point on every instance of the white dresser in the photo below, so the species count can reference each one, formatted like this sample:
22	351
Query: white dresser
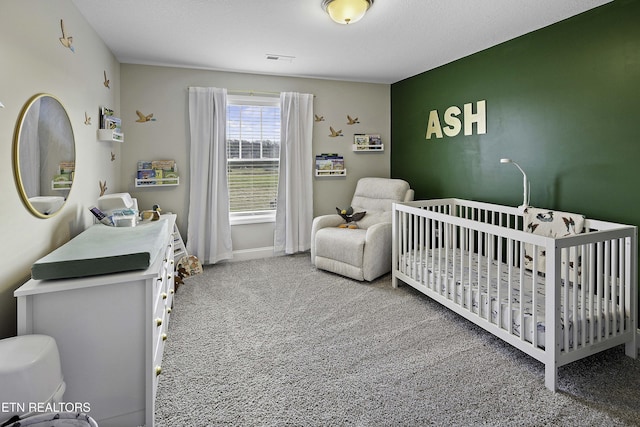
110	330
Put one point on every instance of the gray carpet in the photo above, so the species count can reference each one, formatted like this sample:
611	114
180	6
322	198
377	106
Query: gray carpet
276	342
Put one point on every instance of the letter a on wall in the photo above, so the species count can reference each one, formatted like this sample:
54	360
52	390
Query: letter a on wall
434	125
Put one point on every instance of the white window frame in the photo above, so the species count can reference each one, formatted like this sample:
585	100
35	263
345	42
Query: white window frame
253	217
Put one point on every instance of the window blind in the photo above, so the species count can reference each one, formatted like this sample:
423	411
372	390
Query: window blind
253	151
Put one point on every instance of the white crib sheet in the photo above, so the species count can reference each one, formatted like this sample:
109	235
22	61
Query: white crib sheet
461	283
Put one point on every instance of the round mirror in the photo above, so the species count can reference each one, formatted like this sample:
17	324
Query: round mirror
44	155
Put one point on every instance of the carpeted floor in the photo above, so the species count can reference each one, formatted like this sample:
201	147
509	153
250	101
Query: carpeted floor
275	342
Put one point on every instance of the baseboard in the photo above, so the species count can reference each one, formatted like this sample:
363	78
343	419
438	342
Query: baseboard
254	253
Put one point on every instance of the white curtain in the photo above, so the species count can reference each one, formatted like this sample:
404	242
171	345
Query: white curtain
208	231
294	212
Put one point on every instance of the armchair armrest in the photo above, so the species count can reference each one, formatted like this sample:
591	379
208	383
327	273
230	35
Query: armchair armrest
377	254
319	222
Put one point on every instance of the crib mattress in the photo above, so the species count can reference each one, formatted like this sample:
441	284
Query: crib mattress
476	289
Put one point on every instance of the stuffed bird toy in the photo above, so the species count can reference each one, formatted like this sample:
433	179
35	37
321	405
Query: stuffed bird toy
350	217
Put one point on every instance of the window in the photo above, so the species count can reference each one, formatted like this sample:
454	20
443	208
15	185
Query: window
253	151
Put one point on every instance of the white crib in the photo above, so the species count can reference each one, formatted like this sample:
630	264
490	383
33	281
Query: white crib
576	299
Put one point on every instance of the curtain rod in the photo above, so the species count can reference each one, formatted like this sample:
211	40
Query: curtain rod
253	92
249	92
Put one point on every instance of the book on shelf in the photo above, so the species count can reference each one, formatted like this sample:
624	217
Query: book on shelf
109	121
157	172
113	123
167	165
62	180
67	167
329	161
361	139
104	112
367	139
375	140
170	178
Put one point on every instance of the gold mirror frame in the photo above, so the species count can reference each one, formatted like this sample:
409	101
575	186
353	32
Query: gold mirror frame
18	168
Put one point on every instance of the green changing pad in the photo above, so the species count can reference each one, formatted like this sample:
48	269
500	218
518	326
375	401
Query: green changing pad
102	249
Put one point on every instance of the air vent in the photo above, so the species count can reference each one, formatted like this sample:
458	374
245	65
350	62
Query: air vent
280	58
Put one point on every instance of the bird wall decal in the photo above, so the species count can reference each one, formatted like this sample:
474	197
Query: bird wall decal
106	81
334	132
87	119
352	121
113	156
66	40
103	187
144	118
319	118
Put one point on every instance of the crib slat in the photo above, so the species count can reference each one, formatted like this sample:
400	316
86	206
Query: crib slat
607	286
622	269
499	278
454	250
600	291
522	287
614	287
593	291
445	238
583	295
510	261
573	282
565	302
467	295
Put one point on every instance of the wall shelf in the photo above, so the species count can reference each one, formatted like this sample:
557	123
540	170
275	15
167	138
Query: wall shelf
331	172
108	135
368	147
157	173
61	185
157	182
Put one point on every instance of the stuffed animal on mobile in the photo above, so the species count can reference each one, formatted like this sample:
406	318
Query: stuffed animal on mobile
350	217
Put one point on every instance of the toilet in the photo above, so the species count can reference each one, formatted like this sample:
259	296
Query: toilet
32	385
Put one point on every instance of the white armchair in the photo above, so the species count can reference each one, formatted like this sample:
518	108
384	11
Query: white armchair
363	253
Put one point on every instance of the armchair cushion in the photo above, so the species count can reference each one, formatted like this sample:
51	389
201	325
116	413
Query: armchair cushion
344	244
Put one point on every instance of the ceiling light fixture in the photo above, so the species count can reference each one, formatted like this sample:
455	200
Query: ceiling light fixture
346	11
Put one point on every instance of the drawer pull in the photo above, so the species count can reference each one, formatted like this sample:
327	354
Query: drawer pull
171	291
158	370
158	321
164	337
164	295
169	310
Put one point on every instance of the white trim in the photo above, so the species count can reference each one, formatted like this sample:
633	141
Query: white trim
270	101
252	218
254	253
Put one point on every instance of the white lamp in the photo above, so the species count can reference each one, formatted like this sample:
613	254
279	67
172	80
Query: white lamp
525	184
346	11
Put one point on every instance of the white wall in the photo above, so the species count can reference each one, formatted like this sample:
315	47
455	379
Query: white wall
163	92
34	61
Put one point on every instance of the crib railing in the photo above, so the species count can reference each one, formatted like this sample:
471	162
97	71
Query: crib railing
588	282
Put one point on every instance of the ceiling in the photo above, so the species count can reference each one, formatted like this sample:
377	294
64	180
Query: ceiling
396	39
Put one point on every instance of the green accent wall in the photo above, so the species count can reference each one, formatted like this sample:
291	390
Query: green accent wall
563	102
